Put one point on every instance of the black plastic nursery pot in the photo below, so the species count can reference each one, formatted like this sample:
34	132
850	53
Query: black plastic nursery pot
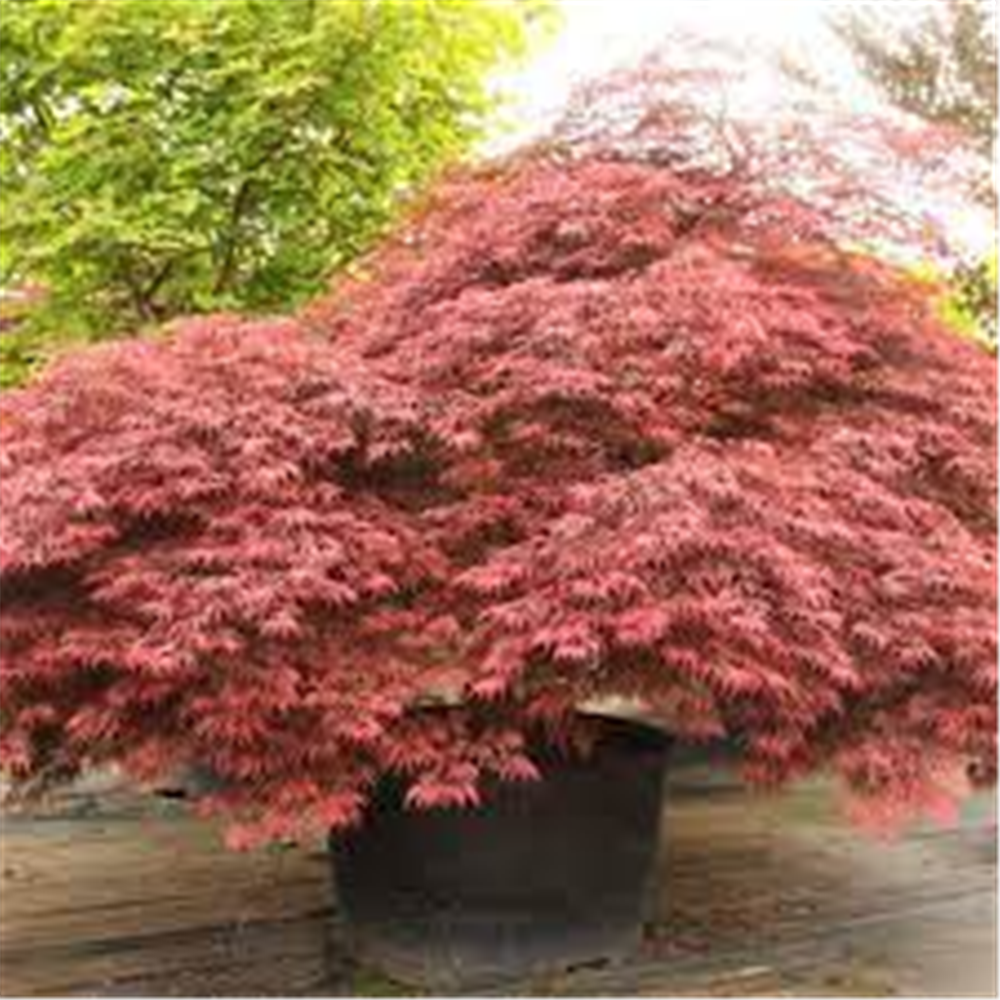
540	876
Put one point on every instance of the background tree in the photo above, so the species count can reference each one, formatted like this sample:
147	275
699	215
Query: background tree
942	67
172	158
940	64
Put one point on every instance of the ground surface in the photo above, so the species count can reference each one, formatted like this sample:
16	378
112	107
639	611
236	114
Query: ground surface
112	895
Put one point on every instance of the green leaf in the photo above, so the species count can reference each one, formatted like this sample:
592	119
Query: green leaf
161	158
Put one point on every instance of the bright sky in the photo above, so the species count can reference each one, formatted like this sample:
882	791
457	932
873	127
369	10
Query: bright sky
598	35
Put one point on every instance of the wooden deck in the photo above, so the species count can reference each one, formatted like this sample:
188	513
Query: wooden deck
115	895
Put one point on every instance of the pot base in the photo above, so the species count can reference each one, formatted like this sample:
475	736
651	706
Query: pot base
541	876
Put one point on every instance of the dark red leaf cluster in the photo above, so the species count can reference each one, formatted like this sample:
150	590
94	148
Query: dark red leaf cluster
584	430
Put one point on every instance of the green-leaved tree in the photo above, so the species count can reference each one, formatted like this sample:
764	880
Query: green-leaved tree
180	156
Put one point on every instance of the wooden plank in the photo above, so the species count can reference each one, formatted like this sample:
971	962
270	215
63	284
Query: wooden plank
116	895
145	899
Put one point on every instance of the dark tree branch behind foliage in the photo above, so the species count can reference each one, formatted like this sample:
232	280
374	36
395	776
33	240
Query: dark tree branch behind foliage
941	66
867	176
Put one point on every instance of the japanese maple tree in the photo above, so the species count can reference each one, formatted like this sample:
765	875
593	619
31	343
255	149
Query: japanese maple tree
586	428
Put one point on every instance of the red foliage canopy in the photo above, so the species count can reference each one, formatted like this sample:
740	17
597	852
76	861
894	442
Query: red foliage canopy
583	430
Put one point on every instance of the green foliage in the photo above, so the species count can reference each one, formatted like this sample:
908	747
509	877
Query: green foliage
971	307
160	158
967	302
19	356
20	351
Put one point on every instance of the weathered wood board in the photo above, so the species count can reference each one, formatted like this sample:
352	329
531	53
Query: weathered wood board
117	895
